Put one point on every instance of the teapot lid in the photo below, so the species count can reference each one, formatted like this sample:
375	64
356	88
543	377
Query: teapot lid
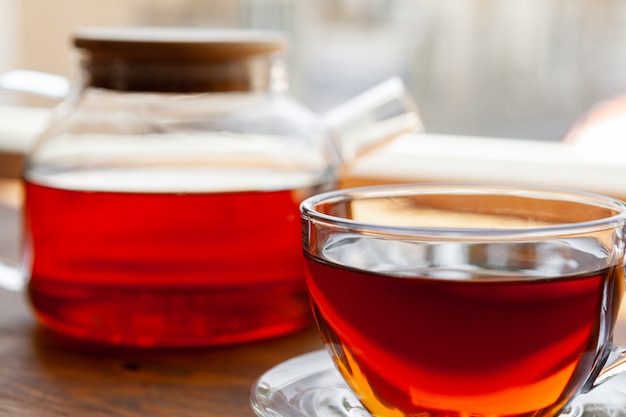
177	43
168	59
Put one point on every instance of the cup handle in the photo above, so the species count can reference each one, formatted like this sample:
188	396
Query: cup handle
10	277
614	365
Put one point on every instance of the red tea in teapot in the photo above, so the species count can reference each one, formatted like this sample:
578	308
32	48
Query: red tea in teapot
166	269
162	200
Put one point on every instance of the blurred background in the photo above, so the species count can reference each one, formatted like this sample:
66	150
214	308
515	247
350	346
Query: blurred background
497	68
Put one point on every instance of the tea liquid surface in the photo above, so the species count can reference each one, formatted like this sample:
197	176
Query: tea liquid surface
166	269
435	346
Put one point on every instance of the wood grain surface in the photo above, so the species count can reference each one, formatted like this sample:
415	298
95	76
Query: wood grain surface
43	374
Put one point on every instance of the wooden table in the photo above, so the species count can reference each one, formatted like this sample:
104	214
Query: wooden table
44	375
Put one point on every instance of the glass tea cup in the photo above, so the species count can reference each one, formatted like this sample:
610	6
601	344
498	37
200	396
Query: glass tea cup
466	299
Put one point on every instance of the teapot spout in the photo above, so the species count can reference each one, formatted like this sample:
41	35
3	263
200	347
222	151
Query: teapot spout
372	119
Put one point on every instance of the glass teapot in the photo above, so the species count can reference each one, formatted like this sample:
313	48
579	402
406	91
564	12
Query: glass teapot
161	204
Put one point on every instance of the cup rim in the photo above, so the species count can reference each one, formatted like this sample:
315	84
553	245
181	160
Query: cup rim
309	213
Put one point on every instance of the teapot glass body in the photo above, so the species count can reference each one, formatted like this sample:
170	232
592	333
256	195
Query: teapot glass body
162	203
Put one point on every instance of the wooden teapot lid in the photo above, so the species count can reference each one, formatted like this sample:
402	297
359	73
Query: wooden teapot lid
181	60
177	43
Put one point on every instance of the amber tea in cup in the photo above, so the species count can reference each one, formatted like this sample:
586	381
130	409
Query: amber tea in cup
464	300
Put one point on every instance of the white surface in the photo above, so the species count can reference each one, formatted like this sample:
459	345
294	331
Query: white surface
597	168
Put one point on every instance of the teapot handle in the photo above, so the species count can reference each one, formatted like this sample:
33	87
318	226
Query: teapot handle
10	277
35	83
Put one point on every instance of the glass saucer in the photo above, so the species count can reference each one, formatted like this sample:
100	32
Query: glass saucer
310	386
